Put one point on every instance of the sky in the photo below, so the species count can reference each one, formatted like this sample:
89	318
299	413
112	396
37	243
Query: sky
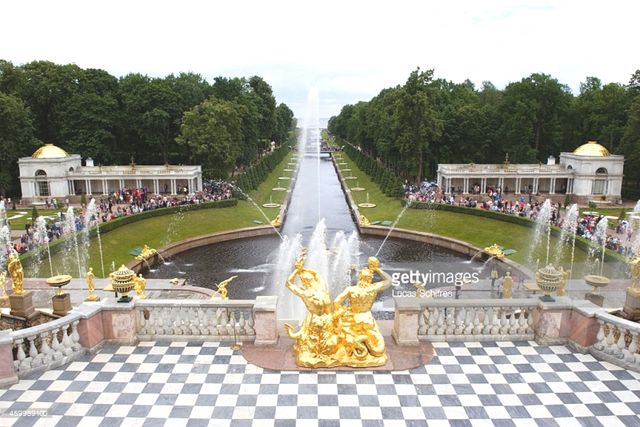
347	50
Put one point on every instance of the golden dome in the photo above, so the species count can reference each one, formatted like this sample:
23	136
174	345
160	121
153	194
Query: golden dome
49	151
593	149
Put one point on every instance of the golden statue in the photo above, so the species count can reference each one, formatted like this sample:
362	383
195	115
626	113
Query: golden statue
140	284
91	285
222	288
4	297
507	286
562	288
276	222
634	269
109	287
346	336
316	341
364	221
146	253
17	274
494	250
362	337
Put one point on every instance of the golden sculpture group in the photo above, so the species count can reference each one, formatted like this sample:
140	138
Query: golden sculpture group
333	334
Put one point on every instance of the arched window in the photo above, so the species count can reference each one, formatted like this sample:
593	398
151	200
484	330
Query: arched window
71	169
42	185
600	183
570	167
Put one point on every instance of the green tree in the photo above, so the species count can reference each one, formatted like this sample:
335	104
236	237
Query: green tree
16	140
212	132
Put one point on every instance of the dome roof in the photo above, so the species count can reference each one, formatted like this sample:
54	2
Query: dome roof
49	151
593	149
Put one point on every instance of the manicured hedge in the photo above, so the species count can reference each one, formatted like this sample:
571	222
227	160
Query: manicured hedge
389	183
581	242
105	227
256	174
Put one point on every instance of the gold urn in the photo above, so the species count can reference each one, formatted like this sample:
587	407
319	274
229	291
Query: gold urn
58	282
122	282
548	280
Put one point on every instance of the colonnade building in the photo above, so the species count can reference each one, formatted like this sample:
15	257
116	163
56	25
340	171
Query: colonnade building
52	172
589	172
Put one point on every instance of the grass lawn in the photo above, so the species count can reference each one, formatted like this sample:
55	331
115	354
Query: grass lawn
24	218
164	230
478	231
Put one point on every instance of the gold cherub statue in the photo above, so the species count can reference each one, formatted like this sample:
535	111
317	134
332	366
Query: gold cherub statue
17	274
222	288
634	269
4	297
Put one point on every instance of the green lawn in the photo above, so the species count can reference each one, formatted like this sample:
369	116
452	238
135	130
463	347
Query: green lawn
478	231
19	223
161	231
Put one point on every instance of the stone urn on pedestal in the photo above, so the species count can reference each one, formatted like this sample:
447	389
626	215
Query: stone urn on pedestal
61	301
548	280
596	282
631	309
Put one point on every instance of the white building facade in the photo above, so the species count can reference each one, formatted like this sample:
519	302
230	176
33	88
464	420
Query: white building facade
52	172
590	171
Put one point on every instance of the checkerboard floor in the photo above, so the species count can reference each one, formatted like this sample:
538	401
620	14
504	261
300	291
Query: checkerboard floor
194	384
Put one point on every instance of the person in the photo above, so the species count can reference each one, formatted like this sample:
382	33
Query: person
361	332
17	274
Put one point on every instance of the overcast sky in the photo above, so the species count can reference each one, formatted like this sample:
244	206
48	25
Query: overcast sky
348	50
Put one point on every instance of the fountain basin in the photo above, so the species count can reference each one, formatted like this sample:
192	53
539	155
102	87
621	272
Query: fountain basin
279	189
596	282
271	205
350	177
284	177
357	189
288	170
58	282
367	205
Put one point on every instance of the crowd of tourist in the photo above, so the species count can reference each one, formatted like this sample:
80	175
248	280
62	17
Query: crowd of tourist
620	240
117	204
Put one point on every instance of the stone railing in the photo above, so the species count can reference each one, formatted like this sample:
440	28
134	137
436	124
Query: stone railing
44	346
476	320
89	325
189	319
617	341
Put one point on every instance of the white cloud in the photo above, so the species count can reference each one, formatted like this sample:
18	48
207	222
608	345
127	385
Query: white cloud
350	50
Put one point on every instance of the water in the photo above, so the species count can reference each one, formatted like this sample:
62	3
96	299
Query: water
540	235
70	228
567	235
600	241
91	219
5	237
41	239
393	226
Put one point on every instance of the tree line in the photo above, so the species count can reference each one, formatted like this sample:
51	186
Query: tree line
413	127
224	126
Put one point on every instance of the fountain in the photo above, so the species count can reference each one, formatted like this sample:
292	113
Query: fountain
271	204
5	237
279	187
71	243
568	232
61	300
598	281
91	218
357	187
542	228
41	238
367	204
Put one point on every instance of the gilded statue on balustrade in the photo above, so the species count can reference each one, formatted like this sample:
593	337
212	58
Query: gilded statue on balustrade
334	334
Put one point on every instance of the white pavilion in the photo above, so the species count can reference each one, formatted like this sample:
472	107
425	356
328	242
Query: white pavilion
52	172
589	172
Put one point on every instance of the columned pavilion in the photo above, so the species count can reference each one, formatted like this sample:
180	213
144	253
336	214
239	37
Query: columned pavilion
52	172
589	171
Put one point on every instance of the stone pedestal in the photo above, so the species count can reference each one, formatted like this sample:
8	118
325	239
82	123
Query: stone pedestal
405	324
266	320
22	305
597	299
61	304
631	310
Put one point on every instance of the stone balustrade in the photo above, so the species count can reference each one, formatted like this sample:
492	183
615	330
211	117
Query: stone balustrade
222	320
476	320
617	341
45	346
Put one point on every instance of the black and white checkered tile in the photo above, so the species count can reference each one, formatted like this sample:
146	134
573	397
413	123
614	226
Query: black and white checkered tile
194	384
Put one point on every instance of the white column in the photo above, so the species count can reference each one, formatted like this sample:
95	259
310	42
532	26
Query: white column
535	185
87	186
189	185
173	187
501	183
121	184
483	185
517	189
105	187
466	186
138	183
156	190
552	186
